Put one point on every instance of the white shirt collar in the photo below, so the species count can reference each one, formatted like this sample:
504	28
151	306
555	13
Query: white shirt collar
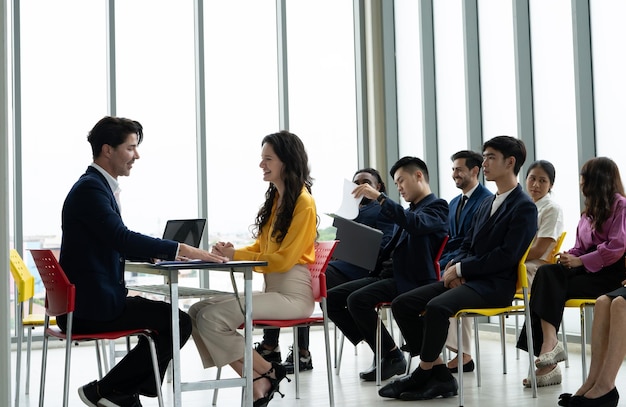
115	186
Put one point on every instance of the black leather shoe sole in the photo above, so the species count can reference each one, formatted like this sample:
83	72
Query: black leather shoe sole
431	390
390	369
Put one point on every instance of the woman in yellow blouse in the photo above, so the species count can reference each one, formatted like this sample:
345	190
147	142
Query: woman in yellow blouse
285	232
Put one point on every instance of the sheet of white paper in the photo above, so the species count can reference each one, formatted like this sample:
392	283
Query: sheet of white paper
349	204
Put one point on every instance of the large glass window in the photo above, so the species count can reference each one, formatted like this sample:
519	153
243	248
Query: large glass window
554	102
450	81
242	107
497	68
155	85
609	82
320	42
408	68
63	72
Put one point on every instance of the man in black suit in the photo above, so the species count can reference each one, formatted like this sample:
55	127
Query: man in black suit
94	247
482	274
406	262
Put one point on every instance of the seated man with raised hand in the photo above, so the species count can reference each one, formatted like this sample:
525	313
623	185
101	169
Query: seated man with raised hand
483	274
406	262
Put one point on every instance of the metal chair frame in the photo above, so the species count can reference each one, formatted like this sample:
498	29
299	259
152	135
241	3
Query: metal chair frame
60	300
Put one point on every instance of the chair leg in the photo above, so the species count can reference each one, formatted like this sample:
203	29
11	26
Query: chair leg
296	360
18	361
215	391
329	374
42	380
564	339
339	353
477	345
503	342
459	349
99	359
155	367
378	349
583	342
531	350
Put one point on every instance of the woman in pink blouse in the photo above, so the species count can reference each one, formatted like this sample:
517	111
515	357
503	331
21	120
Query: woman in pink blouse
594	266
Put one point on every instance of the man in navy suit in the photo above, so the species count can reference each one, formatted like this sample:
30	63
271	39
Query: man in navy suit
465	170
94	247
406	262
482	274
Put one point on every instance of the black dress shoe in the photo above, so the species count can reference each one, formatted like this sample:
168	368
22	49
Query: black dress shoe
395	388
390	367
610	399
564	399
411	382
467	367
439	384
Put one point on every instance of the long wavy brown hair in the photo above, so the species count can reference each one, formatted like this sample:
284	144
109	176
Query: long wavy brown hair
600	182
295	173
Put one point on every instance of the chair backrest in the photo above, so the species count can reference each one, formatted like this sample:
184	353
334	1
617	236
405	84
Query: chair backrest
323	253
557	247
438	256
522	278
24	281
60	293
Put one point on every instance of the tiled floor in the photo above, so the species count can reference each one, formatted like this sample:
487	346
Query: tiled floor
497	389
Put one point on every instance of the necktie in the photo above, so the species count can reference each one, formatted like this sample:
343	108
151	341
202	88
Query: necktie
460	207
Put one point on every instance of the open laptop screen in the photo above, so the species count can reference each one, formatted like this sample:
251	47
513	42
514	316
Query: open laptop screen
187	231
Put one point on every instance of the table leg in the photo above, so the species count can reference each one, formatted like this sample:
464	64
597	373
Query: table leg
175	339
247	360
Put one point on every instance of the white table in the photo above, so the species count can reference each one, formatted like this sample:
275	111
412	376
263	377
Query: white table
170	272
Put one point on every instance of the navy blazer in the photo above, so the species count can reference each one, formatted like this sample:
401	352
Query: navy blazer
491	251
369	215
95	245
459	231
418	234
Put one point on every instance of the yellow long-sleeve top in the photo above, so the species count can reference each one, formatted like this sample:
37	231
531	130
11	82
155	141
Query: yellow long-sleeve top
298	246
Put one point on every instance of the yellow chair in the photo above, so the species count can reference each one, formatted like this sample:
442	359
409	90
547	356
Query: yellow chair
515	309
518	296
25	284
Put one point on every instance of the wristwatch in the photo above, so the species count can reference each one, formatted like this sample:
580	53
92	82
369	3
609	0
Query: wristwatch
381	198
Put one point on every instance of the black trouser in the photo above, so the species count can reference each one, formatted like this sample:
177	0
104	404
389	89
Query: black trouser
554	284
270	336
352	307
134	374
423	315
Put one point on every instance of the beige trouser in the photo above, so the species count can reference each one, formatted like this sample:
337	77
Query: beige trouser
466	335
215	320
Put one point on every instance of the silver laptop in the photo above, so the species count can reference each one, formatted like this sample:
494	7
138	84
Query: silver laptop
187	231
359	244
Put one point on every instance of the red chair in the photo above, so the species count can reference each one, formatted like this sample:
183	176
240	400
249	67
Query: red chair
323	253
387	306
60	300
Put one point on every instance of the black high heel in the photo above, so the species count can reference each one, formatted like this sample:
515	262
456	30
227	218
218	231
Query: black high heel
281	373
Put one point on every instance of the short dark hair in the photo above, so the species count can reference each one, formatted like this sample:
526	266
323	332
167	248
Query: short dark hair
509	147
112	131
411	164
472	158
376	174
546	166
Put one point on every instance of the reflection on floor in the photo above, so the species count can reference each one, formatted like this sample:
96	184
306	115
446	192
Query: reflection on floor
496	390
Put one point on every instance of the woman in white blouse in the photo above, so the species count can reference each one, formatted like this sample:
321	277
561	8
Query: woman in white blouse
539	183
